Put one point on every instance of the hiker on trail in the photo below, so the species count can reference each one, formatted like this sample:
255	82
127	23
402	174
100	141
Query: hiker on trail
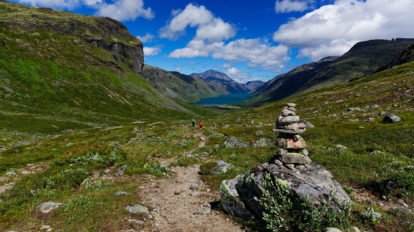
193	122
200	124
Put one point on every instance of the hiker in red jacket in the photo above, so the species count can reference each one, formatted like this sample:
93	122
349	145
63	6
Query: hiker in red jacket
200	124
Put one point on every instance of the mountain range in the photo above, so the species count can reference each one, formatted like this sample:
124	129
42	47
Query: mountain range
362	59
191	88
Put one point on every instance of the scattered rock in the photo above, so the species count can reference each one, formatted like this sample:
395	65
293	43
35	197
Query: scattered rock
135	221
121	170
2	148
216	135
263	142
6	187
391	118
353	109
194	186
402	202
204	210
137	209
46	228
221	167
259	133
333	229
355	229
121	193
233	142
341	147
371	215
11	173
377	152
48	207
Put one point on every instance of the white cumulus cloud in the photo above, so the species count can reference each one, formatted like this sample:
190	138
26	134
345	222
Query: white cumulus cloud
208	26
146	38
211	36
125	10
119	9
333	29
151	51
255	52
59	4
286	6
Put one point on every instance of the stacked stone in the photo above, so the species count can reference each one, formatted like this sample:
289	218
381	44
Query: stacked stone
292	147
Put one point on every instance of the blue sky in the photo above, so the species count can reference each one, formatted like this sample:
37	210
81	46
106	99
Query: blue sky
248	40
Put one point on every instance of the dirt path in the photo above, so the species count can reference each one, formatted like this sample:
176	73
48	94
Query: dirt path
181	202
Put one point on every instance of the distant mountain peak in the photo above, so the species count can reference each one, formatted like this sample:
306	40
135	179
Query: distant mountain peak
212	74
218	80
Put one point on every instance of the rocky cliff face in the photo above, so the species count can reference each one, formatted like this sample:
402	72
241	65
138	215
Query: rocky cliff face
406	56
101	32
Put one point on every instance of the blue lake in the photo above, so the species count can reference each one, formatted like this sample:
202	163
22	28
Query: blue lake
230	99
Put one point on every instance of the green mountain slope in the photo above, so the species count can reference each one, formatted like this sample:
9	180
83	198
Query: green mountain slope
177	85
363	59
62	70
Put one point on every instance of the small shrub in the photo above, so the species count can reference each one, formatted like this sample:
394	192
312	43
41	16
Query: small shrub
276	203
282	212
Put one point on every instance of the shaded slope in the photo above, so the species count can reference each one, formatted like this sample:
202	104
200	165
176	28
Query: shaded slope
177	85
406	56
220	82
252	86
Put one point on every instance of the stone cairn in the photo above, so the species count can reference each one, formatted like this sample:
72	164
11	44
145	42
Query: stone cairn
292	147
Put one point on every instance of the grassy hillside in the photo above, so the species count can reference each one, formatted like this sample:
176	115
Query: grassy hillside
60	70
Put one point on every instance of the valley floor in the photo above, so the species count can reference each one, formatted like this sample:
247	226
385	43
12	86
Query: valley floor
162	176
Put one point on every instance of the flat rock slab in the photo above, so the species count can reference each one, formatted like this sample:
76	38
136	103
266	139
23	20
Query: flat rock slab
294	158
48	207
137	209
292	132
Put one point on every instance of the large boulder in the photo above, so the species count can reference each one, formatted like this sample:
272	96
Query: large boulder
233	142
312	184
230	199
221	167
391	118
